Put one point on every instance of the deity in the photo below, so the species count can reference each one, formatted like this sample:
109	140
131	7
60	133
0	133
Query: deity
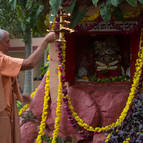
101	60
107	58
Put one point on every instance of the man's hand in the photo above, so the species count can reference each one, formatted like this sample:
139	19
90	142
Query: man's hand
50	37
33	59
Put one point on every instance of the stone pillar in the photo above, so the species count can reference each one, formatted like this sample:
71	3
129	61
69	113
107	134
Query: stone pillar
53	72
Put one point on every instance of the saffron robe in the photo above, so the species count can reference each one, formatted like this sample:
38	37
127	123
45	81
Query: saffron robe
9	93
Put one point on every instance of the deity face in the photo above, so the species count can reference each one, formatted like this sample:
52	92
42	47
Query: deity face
106	51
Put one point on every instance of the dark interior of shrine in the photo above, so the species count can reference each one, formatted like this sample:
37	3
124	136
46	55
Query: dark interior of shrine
100	55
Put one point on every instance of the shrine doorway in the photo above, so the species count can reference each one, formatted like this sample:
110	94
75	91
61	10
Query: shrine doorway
81	51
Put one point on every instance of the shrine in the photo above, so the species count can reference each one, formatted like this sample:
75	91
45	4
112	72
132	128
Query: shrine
94	83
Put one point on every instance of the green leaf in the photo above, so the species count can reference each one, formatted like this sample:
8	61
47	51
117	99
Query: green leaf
105	11
71	8
115	2
132	2
36	15
55	5
141	1
20	13
52	2
118	14
13	2
29	4
39	10
95	2
77	15
28	19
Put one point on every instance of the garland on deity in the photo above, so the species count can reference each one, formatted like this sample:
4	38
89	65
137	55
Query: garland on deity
45	110
110	79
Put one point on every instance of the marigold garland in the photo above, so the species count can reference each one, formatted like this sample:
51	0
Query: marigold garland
58	110
126	140
61	73
45	112
132	14
138	62
118	122
107	138
23	109
127	15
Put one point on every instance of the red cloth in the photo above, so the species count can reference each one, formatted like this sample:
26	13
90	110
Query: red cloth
134	48
109	73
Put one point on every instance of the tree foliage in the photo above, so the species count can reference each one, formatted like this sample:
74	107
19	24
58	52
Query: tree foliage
8	19
27	12
16	15
105	7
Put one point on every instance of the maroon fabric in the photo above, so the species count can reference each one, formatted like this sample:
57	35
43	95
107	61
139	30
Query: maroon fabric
134	48
109	73
70	57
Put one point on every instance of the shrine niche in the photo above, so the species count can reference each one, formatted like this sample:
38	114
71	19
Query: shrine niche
103	55
103	58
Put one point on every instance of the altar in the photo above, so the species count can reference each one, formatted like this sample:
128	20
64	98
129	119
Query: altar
107	89
108	46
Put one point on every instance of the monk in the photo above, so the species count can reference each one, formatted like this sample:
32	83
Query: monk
9	92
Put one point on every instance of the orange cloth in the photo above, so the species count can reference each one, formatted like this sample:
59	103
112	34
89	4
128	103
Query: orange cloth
9	69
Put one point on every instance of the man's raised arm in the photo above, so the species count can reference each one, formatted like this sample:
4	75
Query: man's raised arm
33	59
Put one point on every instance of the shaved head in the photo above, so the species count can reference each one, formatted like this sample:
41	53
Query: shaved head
2	33
4	41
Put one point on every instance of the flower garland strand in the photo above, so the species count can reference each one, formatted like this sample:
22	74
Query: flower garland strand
61	89
23	109
58	110
107	138
126	140
45	112
135	102
61	75
118	122
126	15
83	133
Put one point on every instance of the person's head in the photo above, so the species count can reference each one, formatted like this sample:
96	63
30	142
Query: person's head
4	41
